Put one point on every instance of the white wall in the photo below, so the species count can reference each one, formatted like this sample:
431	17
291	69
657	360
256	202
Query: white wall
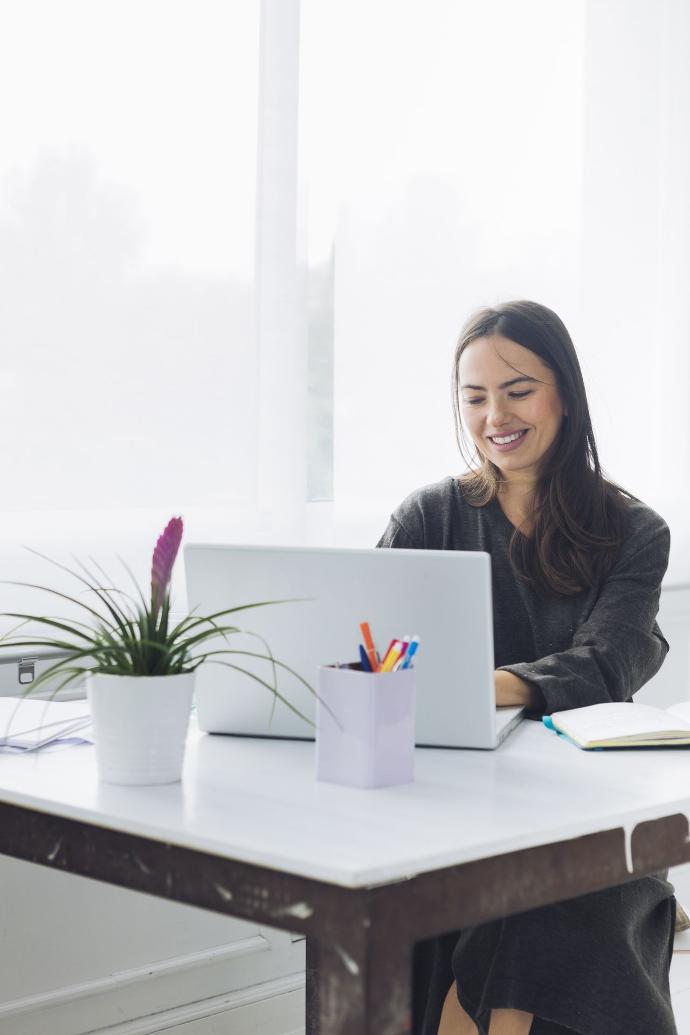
80	956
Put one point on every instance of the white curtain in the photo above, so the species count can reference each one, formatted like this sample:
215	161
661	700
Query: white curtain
128	368
492	151
238	241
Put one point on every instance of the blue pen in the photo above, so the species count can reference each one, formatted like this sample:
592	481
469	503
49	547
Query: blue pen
411	651
366	667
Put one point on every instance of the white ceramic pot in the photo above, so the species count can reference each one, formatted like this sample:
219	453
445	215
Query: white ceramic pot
140	726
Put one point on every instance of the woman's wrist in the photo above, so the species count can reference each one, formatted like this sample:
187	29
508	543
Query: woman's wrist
511	690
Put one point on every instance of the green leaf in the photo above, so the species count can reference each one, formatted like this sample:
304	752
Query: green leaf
133	578
116	611
74	574
267	685
246	607
56	593
77	672
281	664
104	572
64	664
135	642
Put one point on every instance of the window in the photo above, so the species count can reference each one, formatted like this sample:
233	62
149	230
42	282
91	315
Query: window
237	243
480	152
127	249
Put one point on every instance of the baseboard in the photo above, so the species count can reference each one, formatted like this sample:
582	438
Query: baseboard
183	991
272	1008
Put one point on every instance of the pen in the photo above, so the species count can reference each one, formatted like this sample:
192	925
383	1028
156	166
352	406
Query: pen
401	657
390	648
411	651
392	657
369	646
399	662
366	664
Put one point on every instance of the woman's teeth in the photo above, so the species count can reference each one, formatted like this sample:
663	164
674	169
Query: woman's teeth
508	438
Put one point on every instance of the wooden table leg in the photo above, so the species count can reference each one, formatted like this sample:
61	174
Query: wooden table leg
312	987
361	990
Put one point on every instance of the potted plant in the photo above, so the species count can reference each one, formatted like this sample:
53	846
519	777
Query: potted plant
139	670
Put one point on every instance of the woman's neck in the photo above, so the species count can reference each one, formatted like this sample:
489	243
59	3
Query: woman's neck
515	500
517	495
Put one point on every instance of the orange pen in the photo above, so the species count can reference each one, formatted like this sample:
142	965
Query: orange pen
369	646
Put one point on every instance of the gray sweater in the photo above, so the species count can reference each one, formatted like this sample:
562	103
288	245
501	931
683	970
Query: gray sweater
600	645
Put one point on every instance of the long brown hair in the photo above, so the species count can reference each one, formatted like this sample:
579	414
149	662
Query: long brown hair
579	514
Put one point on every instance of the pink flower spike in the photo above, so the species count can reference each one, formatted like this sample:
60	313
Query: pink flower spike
163	560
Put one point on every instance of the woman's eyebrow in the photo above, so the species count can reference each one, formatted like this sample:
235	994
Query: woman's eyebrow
506	384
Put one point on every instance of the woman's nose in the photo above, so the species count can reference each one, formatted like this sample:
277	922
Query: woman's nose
498	413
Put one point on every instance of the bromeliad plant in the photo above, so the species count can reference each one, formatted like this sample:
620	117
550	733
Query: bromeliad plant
130	637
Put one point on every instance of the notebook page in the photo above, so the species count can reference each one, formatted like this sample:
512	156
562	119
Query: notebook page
617	719
681	710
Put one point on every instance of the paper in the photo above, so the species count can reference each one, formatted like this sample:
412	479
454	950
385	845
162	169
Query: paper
27	725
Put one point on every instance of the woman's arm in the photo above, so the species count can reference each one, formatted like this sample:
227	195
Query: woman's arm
620	646
511	690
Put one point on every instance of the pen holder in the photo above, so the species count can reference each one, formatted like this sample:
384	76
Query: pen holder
376	710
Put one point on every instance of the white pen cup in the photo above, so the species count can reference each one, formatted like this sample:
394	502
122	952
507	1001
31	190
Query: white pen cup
366	739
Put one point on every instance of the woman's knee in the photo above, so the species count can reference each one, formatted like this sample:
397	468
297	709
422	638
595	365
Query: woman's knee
510	1022
454	1020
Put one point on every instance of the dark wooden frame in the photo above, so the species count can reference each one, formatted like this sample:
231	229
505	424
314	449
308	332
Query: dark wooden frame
359	940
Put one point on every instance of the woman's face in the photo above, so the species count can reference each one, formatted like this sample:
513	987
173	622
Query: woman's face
505	389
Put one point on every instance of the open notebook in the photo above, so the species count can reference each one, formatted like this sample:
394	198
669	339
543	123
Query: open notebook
623	724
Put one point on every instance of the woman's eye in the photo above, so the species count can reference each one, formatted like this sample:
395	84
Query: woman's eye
513	395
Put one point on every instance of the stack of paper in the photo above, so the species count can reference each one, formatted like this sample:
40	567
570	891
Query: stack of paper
27	725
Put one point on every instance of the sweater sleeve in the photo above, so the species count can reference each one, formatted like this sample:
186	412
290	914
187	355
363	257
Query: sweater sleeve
405	528
395	537
620	646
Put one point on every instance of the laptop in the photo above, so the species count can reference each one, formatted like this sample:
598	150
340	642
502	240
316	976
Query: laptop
442	596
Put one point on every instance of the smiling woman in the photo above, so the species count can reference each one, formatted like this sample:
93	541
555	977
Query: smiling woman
503	420
518	392
577	564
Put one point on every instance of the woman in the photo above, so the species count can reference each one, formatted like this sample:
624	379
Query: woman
577	564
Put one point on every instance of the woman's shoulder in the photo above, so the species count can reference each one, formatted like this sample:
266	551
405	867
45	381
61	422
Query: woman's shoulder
424	515
433	495
642	519
643	526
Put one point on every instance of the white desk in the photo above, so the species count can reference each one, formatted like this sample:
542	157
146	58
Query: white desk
363	874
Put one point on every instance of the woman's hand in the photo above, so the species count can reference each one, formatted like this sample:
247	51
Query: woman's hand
511	690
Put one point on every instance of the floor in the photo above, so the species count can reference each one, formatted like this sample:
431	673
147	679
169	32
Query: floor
680	967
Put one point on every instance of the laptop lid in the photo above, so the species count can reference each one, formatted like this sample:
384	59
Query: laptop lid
442	596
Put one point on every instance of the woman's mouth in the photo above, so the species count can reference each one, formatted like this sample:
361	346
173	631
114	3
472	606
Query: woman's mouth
507	443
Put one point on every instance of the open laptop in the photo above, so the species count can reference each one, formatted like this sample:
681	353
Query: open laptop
442	596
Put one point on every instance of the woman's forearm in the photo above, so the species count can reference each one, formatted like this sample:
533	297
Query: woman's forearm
511	690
